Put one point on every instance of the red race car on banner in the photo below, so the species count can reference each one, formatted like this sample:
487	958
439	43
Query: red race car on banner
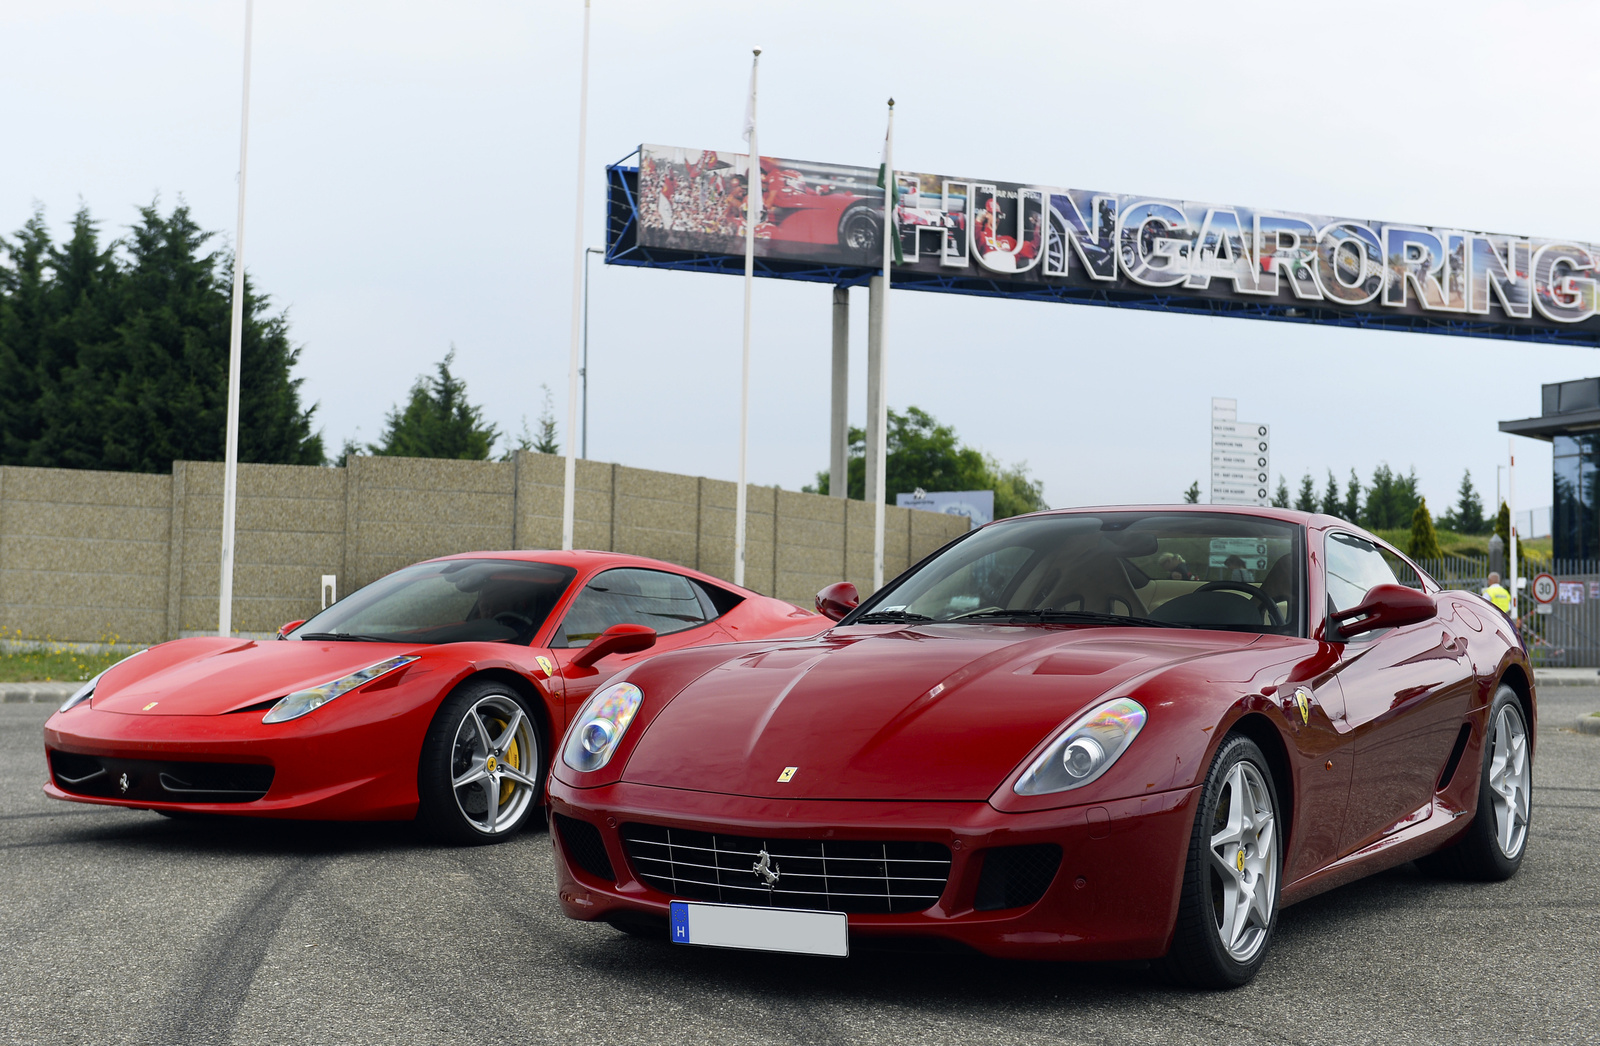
1096	734
435	692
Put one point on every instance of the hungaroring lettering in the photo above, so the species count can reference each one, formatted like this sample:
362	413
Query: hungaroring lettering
693	200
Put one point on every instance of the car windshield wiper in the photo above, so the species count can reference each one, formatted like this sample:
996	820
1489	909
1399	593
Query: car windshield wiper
1091	617
345	637
899	617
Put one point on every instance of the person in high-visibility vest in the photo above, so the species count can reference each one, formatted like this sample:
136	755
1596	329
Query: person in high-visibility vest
1497	593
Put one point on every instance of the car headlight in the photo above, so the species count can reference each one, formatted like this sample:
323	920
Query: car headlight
86	691
598	729
312	698
1085	749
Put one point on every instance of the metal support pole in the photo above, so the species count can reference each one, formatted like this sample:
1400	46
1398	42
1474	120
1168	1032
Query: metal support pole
569	489
876	414
230	456
583	371
1511	503
839	428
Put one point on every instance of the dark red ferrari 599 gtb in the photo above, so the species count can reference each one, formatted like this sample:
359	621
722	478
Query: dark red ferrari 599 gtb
1122	733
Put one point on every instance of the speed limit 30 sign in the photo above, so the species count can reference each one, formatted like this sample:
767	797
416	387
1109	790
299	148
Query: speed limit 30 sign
1544	588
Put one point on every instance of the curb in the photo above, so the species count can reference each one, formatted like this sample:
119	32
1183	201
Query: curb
1588	724
44	693
1568	677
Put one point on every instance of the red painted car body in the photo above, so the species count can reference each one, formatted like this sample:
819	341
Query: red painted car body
201	701
917	732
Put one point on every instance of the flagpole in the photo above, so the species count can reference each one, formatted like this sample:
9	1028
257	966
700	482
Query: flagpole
569	494
230	457
882	449
751	216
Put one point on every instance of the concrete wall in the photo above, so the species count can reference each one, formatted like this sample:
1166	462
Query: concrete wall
96	556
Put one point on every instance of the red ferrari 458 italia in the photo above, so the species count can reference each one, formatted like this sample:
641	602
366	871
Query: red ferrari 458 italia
1126	733
435	692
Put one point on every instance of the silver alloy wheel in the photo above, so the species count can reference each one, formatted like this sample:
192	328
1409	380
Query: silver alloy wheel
494	764
1244	862
1510	789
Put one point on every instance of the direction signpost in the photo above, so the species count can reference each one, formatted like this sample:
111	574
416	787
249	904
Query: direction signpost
1241	457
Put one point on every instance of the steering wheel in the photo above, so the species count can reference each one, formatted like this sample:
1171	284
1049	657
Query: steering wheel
1273	613
513	620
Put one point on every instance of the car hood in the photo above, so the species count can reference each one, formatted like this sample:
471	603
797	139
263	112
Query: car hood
935	712
213	676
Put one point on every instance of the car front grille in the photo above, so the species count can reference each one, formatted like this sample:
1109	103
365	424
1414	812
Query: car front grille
159	780
822	875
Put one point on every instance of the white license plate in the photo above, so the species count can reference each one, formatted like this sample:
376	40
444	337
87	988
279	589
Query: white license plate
760	929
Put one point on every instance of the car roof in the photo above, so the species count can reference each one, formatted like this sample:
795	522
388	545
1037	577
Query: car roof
590	559
1286	515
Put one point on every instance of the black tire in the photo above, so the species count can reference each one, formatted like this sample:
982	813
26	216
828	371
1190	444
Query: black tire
860	230
1479	853
1199	957
455	748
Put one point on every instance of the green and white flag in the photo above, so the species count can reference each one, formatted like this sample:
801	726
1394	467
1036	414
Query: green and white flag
891	196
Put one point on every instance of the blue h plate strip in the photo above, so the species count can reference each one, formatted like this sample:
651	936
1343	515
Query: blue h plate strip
680	922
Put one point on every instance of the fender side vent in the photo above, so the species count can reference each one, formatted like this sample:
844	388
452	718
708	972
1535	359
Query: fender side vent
1016	876
584	846
1455	757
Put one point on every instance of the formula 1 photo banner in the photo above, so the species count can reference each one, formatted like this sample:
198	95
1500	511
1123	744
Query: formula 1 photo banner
693	200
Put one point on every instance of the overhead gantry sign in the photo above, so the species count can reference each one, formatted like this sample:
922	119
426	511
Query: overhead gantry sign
684	208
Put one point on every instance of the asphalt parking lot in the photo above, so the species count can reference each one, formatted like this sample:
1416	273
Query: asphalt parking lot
127	927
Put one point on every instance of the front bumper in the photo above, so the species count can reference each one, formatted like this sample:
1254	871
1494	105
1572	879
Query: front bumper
1114	896
355	763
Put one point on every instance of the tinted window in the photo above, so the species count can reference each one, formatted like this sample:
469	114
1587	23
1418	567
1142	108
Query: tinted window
450	601
1354	566
1202	570
665	602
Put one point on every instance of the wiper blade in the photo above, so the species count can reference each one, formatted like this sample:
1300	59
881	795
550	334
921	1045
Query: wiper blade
899	617
1092	617
345	637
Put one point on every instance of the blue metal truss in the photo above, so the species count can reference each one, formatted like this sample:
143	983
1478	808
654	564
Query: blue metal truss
622	248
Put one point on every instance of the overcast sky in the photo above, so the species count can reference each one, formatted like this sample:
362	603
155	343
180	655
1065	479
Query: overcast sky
411	180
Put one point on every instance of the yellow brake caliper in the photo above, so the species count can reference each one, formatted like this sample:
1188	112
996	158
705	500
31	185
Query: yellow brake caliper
507	786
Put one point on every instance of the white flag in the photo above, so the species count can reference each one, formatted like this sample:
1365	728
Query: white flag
750	106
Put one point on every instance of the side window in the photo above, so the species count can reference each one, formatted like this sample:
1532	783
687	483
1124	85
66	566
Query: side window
1354	566
665	602
1401	569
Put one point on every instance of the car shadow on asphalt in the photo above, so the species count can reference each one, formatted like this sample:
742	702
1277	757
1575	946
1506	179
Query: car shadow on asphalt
222	834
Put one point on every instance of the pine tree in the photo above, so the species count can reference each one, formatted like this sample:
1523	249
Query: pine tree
1380	511
1469	507
116	356
1351	511
1502	526
1424	540
1330	497
1306	500
437	421
1281	498
1192	495
546	441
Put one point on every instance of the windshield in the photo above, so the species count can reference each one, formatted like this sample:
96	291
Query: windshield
1174	569
450	601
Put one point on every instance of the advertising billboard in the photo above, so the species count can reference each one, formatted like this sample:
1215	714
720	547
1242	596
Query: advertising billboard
976	505
1136	247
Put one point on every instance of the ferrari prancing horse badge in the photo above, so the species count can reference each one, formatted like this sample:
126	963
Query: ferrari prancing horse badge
1302	701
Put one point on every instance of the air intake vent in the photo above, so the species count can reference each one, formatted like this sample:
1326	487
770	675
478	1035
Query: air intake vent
581	840
1455	757
160	780
832	875
1016	876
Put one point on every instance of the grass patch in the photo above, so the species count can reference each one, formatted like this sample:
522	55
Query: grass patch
48	664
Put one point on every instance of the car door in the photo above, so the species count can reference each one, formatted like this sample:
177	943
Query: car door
1406	693
669	603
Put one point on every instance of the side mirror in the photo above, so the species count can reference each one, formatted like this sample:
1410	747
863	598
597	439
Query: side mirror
837	600
285	629
618	639
1386	606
